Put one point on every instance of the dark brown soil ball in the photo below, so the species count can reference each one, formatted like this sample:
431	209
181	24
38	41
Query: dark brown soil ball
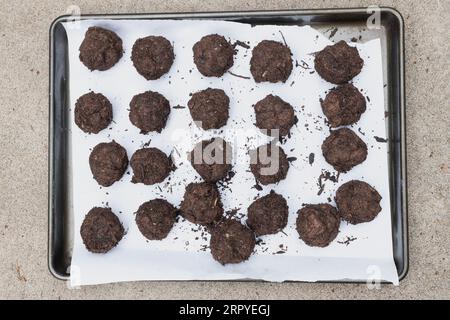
318	224
269	164
201	203
152	56
343	149
108	162
271	62
338	63
358	202
272	112
149	111
212	159
213	55
268	214
231	242
150	166
209	108
101	49
343	105
155	219
93	112
101	230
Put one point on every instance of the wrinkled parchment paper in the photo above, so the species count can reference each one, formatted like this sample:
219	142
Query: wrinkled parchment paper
360	252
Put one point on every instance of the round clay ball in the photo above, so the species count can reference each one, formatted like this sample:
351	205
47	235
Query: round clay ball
101	49
272	112
201	203
268	214
358	202
343	105
269	164
343	149
271	62
101	230
318	224
108	162
93	112
213	55
155	219
209	108
150	166
149	111
231	242
338	63
152	56
211	159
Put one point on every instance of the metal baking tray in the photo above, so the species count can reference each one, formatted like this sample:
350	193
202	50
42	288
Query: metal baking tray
336	23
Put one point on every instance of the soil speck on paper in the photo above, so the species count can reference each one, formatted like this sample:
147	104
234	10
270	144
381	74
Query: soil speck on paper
325	176
238	75
311	158
333	33
241	44
282	36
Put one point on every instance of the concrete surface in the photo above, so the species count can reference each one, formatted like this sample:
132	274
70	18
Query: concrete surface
23	161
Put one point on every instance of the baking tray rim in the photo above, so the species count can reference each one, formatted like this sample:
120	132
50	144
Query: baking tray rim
222	14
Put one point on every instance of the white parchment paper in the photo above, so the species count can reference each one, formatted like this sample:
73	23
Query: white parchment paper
360	252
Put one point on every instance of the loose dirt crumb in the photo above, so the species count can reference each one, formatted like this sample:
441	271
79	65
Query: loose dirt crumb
20	276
